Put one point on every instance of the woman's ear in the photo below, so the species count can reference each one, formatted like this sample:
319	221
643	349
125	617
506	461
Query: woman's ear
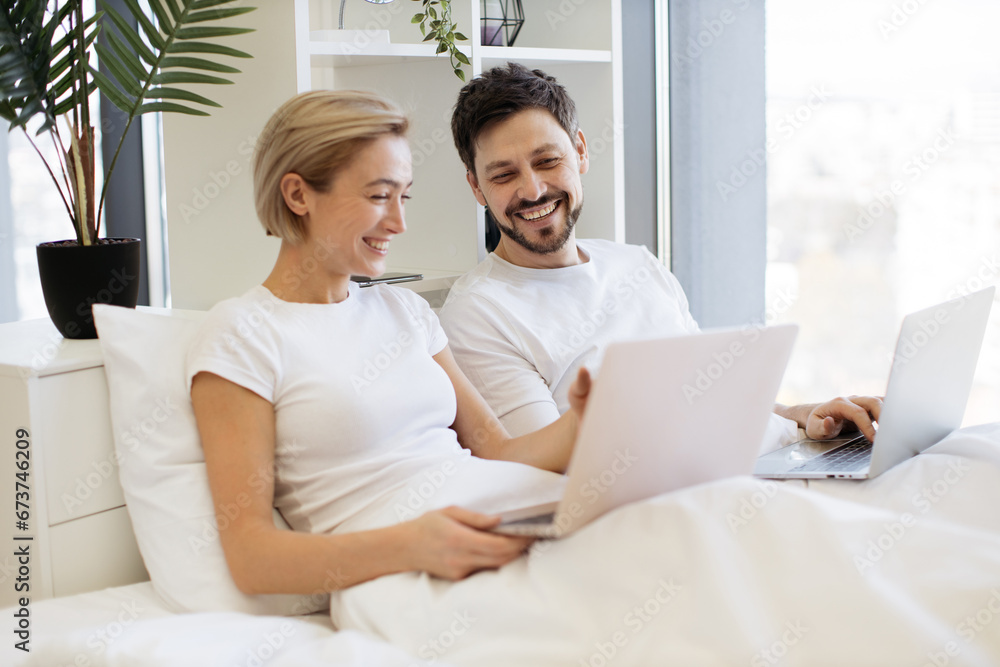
293	190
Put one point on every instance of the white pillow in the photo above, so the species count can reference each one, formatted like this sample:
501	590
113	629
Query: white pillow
162	467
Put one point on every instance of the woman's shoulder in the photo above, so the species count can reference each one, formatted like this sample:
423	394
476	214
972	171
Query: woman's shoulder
395	297
240	315
257	299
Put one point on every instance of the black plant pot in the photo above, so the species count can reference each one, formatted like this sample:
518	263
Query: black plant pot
75	277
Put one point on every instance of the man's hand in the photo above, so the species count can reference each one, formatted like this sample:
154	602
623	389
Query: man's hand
579	392
827	420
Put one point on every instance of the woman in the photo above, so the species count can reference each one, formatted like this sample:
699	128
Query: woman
279	381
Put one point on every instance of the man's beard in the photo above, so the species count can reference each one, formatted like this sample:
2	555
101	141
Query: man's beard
551	240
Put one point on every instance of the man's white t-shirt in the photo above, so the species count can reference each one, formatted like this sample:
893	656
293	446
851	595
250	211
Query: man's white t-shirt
361	407
521	334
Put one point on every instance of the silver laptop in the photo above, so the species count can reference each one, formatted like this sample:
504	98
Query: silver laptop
929	385
663	415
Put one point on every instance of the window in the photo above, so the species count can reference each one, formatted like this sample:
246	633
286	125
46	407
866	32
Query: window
883	121
32	212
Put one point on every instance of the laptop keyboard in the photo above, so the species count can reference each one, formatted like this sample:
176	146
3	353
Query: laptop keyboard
851	457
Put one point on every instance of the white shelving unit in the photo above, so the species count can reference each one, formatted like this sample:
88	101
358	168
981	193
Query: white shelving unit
579	44
209	190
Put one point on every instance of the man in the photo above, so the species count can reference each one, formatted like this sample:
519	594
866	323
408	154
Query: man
544	303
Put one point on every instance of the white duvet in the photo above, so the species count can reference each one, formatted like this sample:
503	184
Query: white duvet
900	570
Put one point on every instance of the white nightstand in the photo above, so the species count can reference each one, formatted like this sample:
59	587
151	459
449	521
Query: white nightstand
56	390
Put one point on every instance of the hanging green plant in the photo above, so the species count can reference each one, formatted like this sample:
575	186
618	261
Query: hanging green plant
435	23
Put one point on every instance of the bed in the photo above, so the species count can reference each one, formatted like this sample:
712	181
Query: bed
900	570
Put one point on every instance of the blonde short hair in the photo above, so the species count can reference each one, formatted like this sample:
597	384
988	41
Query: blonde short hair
315	135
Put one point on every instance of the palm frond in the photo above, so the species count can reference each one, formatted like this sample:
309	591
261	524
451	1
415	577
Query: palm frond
25	59
142	79
163	61
146	63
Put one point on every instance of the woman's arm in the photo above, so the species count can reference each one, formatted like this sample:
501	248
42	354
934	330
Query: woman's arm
237	429
482	433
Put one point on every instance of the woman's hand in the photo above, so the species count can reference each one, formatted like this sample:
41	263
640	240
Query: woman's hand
451	543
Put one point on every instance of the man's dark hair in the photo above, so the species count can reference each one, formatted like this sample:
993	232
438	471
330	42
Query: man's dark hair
500	93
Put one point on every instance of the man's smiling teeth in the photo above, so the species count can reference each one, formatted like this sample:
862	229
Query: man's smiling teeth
378	245
540	213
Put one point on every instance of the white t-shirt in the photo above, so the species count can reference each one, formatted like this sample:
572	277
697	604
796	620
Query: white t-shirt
361	407
521	334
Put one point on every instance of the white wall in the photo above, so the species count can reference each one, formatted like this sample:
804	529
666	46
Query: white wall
217	248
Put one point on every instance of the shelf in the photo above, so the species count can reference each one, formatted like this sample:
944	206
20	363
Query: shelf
365	51
350	53
543	55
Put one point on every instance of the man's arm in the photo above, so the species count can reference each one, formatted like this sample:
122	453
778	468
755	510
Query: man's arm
480	432
823	421
497	363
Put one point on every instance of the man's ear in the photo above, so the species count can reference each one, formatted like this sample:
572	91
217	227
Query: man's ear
582	152
293	190
474	184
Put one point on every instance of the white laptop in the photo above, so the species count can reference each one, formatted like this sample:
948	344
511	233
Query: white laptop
929	385
662	415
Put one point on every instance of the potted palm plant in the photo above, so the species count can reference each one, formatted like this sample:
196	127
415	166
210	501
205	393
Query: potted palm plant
48	75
